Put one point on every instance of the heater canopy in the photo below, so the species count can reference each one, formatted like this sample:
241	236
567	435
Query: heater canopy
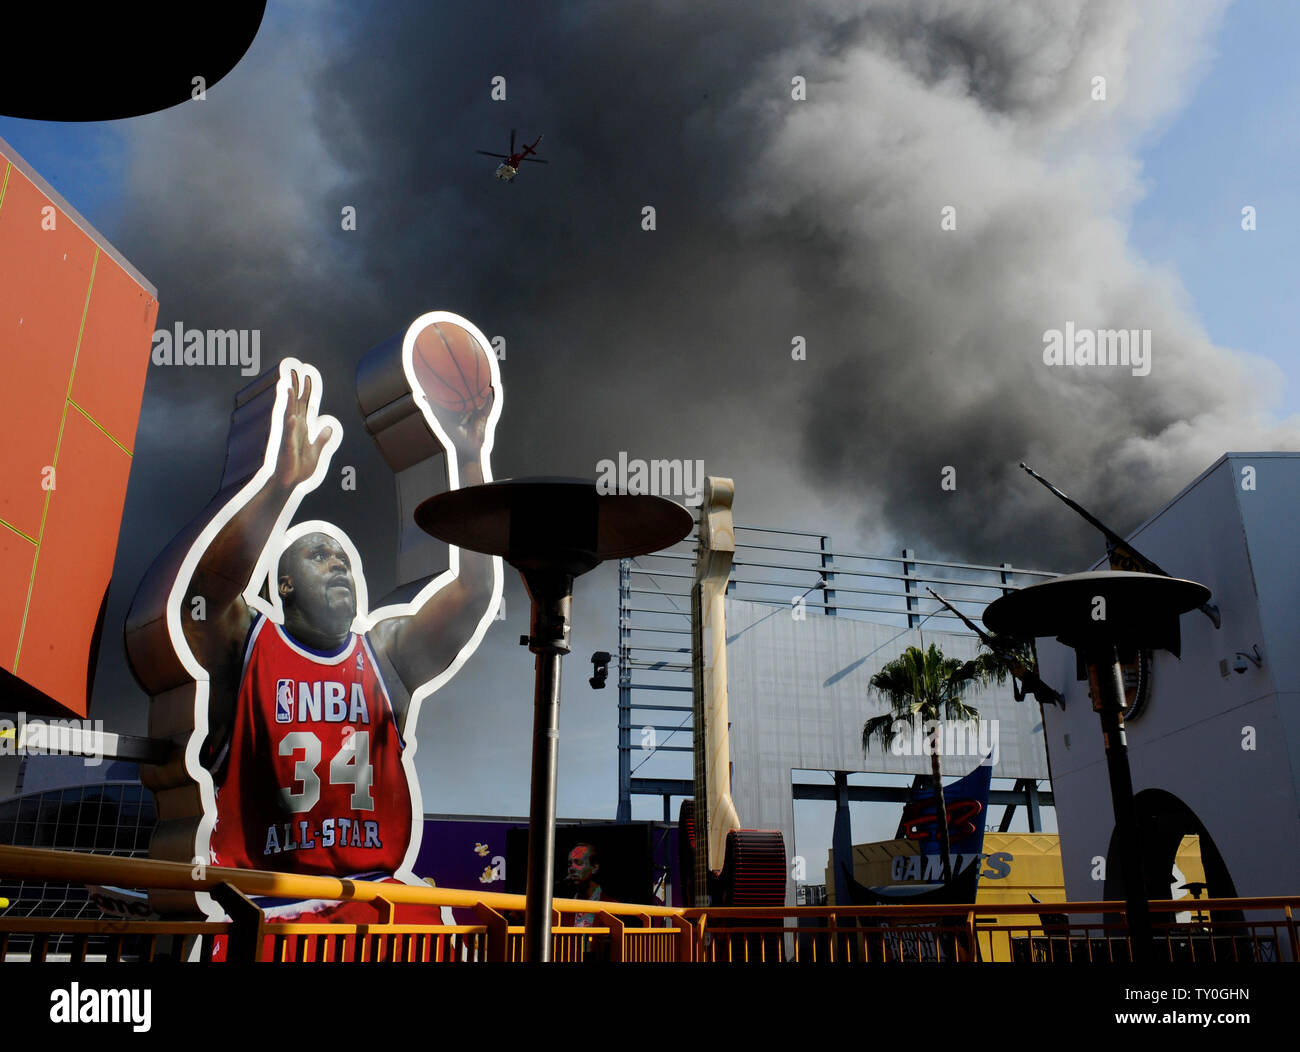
1100	609
537	522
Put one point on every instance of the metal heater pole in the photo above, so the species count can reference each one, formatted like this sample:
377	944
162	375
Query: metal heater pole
541	830
552	600
1108	699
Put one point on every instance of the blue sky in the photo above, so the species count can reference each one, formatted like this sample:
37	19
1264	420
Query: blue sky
1232	145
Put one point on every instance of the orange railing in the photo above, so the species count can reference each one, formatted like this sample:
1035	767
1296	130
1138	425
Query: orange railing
617	936
1255	929
1221	930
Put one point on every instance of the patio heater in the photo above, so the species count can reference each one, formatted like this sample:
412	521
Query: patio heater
551	530
1097	614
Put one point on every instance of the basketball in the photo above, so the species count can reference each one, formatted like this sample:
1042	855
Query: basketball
452	367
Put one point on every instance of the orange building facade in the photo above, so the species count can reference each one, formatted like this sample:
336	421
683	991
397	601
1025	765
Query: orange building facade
76	326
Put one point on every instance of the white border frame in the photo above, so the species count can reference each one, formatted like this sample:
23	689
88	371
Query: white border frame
282	534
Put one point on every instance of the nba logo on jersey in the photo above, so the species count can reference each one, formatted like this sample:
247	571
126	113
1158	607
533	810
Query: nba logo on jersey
361	660
284	701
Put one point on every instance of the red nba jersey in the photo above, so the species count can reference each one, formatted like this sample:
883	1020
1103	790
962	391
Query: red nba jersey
311	780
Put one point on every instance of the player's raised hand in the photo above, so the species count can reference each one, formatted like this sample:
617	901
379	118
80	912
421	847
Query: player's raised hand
299	453
470	431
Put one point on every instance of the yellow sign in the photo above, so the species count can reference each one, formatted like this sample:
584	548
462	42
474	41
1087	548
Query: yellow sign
1013	867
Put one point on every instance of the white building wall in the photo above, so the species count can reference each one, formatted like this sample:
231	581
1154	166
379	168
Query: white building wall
798	698
1228	747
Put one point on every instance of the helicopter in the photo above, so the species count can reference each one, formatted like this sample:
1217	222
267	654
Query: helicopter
509	167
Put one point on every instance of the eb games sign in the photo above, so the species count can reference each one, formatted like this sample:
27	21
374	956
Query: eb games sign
966	835
997	866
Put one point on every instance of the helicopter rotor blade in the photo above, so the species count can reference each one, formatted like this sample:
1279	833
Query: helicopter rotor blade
512	140
486	154
536	160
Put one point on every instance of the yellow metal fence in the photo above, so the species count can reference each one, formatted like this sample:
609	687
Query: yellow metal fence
1220	930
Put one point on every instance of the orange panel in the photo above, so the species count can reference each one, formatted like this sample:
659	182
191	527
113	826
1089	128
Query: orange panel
44	275
115	349
16	554
75	562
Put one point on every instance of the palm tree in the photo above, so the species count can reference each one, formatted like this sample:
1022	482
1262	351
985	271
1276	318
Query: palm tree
1002	656
924	687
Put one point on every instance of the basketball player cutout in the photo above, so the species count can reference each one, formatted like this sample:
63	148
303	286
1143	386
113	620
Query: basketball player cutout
311	698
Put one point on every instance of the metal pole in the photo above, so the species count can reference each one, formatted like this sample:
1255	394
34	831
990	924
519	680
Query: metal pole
909	587
624	812
551	592
842	840
541	810
1108	700
828	564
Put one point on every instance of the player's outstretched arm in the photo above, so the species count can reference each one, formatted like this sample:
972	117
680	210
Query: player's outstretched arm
422	644
226	567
